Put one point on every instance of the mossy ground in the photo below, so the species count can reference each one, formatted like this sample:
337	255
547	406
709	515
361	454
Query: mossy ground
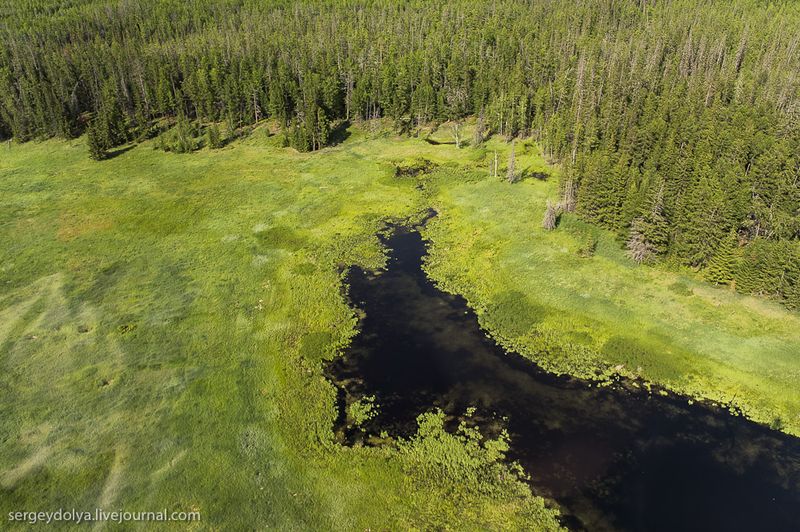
164	318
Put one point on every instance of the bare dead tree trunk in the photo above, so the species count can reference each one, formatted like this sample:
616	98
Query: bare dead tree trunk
457	134
511	174
256	108
568	197
479	130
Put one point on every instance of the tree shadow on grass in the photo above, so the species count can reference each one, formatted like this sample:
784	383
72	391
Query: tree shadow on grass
120	151
529	174
339	134
437	142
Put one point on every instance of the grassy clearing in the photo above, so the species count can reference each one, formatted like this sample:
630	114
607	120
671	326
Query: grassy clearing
163	319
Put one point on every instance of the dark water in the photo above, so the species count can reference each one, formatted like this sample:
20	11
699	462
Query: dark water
611	458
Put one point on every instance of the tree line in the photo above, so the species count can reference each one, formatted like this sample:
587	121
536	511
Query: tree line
677	121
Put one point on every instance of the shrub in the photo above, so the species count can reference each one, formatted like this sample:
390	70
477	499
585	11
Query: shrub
182	138
414	168
464	460
214	138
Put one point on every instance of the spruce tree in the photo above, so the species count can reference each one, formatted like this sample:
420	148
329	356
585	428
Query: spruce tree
722	266
717	118
323	128
110	121
701	214
792	295
214	137
98	146
184	136
593	171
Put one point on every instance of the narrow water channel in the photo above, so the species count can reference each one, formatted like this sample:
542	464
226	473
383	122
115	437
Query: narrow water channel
612	458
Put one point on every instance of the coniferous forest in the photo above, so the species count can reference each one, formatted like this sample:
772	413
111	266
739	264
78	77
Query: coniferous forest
400	264
678	122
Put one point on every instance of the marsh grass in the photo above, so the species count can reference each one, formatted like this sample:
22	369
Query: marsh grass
163	321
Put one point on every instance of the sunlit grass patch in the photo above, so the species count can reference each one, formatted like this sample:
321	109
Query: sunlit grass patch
164	321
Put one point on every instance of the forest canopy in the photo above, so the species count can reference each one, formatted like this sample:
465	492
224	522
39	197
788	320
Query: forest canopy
677	122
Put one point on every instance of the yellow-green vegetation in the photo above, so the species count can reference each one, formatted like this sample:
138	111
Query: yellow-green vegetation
572	301
164	319
163	323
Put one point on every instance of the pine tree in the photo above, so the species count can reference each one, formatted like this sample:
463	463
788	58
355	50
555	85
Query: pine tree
720	122
182	138
767	172
300	139
323	128
701	215
185	133
110	121
722	266
768	267
593	170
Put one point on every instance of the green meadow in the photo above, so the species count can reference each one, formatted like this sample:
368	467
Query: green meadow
164	321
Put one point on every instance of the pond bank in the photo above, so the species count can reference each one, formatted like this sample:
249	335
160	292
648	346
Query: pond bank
612	457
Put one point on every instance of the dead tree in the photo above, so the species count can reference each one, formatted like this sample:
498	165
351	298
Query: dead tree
478	140
511	174
457	134
568	196
551	214
638	248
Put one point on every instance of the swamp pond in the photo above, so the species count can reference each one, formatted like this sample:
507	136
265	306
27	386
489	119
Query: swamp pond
612	458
